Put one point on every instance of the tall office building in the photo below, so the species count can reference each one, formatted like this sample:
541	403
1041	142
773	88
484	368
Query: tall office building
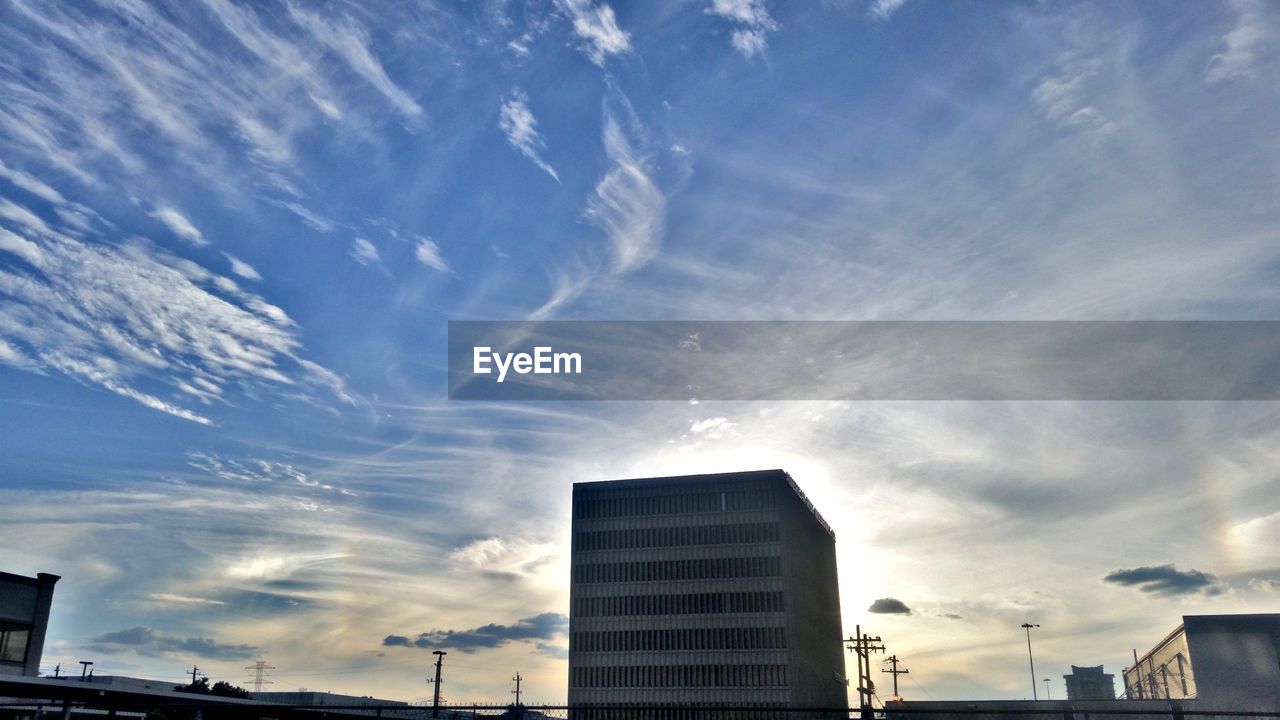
703	590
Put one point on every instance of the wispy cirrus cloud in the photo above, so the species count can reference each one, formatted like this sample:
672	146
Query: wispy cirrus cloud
242	268
202	104
427	251
517	122
627	206
179	225
884	9
597	26
133	319
365	252
751	23
1246	45
1062	97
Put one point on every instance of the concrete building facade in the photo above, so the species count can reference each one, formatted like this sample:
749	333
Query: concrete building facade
1224	662
24	617
713	589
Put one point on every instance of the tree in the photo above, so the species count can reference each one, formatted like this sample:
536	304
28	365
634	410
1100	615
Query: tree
222	688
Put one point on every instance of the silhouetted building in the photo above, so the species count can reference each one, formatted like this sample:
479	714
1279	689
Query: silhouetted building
703	590
24	616
1223	661
1090	683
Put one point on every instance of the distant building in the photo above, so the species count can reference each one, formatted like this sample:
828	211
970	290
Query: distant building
1090	683
1223	661
703	590
24	617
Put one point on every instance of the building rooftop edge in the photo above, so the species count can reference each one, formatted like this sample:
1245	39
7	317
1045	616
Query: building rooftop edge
772	473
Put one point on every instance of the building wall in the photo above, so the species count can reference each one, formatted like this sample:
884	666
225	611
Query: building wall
24	617
1225	662
711	589
1236	660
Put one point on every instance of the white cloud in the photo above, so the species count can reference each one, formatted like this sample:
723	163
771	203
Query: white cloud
749	42
135	320
884	9
182	90
21	247
176	599
597	25
521	129
364	252
22	216
30	184
179	225
713	428
1062	98
242	268
627	204
316	221
428	253
1246	43
753	20
351	43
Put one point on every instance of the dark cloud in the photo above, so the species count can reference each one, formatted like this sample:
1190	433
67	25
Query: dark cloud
146	641
889	606
1166	580
559	652
539	627
951	616
250	602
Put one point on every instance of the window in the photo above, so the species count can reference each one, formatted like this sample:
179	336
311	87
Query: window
13	642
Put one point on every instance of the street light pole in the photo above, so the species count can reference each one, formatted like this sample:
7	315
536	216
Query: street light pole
1047	696
1030	659
435	704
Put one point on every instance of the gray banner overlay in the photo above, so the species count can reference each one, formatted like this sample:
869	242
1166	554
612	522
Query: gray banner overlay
837	360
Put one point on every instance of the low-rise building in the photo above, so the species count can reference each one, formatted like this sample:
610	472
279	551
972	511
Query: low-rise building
24	617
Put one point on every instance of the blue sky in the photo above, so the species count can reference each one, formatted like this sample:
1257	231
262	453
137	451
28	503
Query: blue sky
231	236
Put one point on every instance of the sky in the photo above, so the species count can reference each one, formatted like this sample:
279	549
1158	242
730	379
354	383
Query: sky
232	235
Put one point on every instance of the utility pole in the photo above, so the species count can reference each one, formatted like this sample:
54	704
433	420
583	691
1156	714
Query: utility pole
57	669
435	704
893	660
1027	627
516	692
260	669
84	668
863	646
194	671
